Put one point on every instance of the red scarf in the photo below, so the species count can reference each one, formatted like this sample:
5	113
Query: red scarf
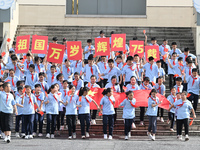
180	105
15	67
137	67
30	100
52	78
87	99
42	86
65	92
27	66
76	64
55	98
7	98
132	104
32	76
178	89
105	66
146	88
131	68
38	68
153	99
193	79
91	69
113	87
13	83
151	67
190	71
71	99
186	57
133	86
68	70
37	96
174	98
159	89
110	101
173	62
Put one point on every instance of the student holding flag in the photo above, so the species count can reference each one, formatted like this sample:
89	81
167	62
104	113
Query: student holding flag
108	102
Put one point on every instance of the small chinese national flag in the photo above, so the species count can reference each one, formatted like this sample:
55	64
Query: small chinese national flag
74	50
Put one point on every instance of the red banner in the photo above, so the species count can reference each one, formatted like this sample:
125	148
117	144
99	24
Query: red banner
141	97
74	50
118	42
55	53
136	47
22	44
102	46
152	51
39	44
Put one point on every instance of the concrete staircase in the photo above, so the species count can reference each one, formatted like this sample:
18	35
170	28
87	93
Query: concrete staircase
183	36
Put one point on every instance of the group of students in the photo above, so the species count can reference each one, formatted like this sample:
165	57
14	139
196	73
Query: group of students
34	86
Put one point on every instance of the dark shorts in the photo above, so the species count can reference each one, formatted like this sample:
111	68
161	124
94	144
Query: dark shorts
6	121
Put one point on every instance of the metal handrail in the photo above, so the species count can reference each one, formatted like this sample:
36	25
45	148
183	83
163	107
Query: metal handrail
76	7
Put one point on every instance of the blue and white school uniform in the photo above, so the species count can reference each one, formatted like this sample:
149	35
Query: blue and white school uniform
87	70
19	116
13	81
12	66
27	64
115	87
6	102
131	87
108	108
129	71
102	68
172	99
152	74
44	86
160	88
90	52
145	87
80	84
39	68
161	72
174	64
93	85
51	78
119	65
29	80
184	57
71	108
162	48
152	111
128	110
111	72
178	51
67	72
179	88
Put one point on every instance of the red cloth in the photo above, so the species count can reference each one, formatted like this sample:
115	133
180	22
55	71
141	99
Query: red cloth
55	98
71	99
43	86
193	80
6	98
39	68
190	71
32	76
173	62
105	66
13	83
151	67
52	78
91	70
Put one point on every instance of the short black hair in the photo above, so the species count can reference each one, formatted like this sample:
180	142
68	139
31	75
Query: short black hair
28	54
194	70
110	61
112	32
101	32
165	40
37	85
42	74
151	58
135	38
136	55
93	76
76	73
153	39
179	79
5	85
54	39
36	58
90	57
53	66
14	58
27	86
158	61
174	53
119	57
19	88
89	41
130	58
180	58
174	43
114	77
146	79
32	66
186	49
65	81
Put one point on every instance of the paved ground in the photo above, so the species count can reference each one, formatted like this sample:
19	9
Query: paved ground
139	143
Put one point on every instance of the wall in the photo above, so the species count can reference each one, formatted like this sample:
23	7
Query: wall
53	13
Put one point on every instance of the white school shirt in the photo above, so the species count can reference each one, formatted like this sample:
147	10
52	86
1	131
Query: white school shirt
152	74
132	87
111	72
116	88
102	68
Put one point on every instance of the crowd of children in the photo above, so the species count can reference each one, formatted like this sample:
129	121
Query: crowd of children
34	86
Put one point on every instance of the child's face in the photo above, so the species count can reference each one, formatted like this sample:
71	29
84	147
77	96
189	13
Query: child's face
1	88
37	62
93	80
53	70
61	78
173	91
28	90
174	46
67	63
73	90
178	96
89	44
174	56
165	42
14	62
54	90
190	64
136	58
31	69
22	84
65	84
28	58
153	94
129	62
180	61
20	92
183	96
103	59
160	81
110	93
38	89
111	65
159	65
146	82
130	96
186	53
133	81
178	83
76	77
57	87
151	62
90	62
194	74
118	60
41	78
114	81
12	73
102	35
154	42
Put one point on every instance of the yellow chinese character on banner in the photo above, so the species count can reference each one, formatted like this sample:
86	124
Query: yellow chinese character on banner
56	51
39	44
152	52
22	44
118	42
74	50
102	46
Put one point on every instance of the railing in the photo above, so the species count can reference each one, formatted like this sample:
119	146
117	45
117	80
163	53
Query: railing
3	45
76	7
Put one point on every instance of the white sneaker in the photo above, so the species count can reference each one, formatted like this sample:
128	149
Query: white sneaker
26	137
66	127
93	121
105	136
70	137
158	118
40	135
3	135
168	121
87	135
52	136
48	135
62	128
129	135
30	137
83	137
180	137
110	137
34	134
133	125
74	135
126	137
149	135
172	130
8	139
23	135
153	138
162	120
5	138
17	135
78	122
186	137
